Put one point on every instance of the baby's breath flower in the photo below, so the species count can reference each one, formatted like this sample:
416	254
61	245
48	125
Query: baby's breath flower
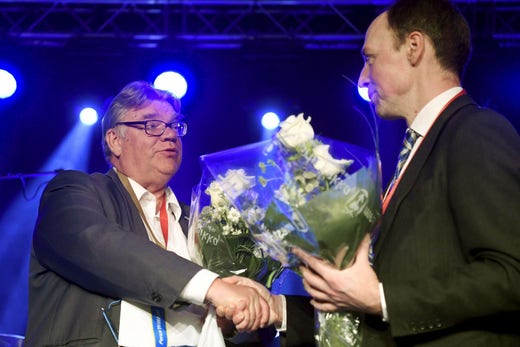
233	215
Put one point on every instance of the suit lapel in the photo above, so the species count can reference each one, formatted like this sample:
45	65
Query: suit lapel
416	164
185	217
128	205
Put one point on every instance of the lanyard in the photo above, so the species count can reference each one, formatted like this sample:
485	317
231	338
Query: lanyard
128	187
158	319
159	326
389	195
163	214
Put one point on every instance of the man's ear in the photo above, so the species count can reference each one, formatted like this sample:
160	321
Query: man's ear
113	139
415	45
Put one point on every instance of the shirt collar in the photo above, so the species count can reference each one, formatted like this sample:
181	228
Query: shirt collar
428	114
142	194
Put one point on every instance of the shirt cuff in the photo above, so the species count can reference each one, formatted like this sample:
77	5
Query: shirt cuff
383	302
196	289
283	326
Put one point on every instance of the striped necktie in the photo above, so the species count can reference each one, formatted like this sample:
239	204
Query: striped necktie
409	140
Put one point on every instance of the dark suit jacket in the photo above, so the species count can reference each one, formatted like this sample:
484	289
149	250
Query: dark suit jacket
300	322
90	248
448	253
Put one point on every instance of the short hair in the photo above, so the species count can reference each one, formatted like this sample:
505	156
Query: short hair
442	22
133	96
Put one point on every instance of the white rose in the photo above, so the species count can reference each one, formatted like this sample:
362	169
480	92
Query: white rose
235	182
295	131
326	164
218	199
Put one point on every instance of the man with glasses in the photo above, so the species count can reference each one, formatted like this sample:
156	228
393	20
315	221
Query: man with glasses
108	246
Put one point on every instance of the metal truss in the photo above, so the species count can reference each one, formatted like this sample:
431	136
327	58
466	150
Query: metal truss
224	24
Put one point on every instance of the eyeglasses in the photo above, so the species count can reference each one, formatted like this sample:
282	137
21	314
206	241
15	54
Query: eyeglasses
156	127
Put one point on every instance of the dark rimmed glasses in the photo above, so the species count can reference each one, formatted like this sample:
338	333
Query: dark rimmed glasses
155	127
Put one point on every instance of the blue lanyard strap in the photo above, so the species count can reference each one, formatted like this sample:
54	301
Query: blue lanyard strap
159	326
113	330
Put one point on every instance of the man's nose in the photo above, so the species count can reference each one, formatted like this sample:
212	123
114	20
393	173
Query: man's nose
363	77
170	133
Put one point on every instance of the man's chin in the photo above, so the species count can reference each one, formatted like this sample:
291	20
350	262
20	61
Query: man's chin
170	170
384	113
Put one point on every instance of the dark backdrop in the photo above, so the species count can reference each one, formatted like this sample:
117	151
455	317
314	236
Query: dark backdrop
228	92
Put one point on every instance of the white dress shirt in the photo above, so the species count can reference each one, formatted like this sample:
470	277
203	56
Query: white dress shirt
182	326
196	289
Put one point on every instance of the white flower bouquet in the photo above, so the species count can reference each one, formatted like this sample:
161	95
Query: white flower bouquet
302	190
219	237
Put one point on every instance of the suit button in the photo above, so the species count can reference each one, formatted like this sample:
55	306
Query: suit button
156	297
413	326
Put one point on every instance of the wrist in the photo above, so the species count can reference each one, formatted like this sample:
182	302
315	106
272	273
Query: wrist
277	304
213	291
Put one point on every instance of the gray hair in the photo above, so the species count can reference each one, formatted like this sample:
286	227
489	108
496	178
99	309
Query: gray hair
134	95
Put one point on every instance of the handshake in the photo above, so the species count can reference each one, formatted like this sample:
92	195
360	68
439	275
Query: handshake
245	302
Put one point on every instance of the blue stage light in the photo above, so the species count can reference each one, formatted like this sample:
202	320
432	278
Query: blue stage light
88	116
363	92
7	84
270	120
173	82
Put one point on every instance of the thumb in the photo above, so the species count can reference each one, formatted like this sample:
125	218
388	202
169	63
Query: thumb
232	280
364	248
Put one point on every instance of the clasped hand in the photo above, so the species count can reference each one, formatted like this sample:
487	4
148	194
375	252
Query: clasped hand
249	305
245	302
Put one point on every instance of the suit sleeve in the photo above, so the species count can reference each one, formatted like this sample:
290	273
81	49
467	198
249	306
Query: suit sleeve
300	322
88	235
